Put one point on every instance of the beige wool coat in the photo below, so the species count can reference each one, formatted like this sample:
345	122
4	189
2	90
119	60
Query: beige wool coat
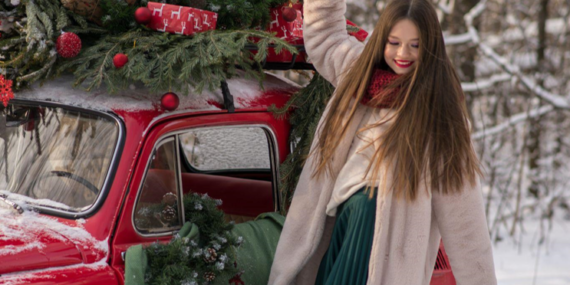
406	234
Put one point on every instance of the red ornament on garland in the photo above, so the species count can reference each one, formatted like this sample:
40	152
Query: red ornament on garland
5	90
68	45
169	101
120	59
289	14
143	15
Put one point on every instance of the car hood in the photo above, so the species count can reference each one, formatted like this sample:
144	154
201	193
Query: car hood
31	241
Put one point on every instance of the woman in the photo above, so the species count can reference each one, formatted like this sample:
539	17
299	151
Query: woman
392	169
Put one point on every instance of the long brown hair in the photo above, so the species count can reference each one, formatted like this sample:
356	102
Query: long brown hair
429	138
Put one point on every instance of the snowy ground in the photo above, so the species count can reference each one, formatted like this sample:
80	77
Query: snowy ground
526	263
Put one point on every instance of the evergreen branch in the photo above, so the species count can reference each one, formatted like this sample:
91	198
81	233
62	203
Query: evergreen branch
38	73
309	104
62	20
47	23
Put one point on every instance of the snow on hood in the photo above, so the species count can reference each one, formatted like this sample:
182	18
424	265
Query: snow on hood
25	227
137	97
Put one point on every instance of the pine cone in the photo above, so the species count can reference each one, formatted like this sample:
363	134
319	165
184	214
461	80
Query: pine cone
210	255
209	276
168	213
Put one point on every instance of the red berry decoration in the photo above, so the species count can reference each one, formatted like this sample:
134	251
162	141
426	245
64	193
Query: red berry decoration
289	14
68	45
6	92
143	15
120	59
169	101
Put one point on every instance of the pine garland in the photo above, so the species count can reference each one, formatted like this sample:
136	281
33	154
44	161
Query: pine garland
242	14
184	261
308	105
172	62
29	49
161	61
118	15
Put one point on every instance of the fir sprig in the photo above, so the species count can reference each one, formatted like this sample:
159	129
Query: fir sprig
305	108
118	15
184	261
30	49
242	14
173	62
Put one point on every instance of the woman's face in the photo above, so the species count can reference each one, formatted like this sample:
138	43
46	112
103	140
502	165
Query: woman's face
402	47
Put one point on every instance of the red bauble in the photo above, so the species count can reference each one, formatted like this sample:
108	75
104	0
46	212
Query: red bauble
120	59
68	45
169	101
143	15
289	14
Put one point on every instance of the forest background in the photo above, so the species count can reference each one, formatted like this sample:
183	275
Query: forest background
513	58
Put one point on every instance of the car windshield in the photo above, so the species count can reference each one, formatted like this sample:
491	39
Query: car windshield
54	156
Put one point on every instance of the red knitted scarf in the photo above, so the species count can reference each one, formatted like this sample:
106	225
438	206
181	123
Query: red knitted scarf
380	79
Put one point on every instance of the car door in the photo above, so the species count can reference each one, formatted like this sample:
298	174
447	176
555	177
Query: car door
233	157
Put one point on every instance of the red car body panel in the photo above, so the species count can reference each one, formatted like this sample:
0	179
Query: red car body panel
65	257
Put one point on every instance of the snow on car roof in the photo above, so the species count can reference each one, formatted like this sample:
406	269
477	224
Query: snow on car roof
137	97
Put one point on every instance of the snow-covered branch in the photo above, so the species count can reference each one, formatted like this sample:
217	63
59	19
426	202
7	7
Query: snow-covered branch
513	120
457	39
487	83
557	101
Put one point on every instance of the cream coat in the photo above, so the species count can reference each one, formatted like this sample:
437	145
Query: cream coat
406	234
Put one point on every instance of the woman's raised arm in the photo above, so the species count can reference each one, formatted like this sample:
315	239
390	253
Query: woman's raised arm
327	42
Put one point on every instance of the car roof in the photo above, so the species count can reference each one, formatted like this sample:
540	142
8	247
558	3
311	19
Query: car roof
247	93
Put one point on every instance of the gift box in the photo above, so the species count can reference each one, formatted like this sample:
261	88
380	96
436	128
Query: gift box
293	33
180	20
289	31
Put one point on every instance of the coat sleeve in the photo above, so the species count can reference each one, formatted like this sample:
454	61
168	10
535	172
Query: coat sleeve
463	227
330	48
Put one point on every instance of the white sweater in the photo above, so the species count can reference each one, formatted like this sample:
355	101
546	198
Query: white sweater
353	174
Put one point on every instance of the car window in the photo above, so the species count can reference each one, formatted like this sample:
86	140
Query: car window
226	148
54	156
158	205
233	164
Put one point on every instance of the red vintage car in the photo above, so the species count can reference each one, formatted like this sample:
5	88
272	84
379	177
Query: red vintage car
78	169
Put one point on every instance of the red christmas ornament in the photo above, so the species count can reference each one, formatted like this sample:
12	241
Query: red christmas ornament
5	90
120	59
68	45
169	101
289	14
143	15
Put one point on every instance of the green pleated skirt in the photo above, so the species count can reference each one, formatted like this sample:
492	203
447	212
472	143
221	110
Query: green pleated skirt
346	260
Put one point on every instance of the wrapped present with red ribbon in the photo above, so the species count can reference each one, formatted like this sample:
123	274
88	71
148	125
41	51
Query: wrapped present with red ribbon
180	20
287	23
